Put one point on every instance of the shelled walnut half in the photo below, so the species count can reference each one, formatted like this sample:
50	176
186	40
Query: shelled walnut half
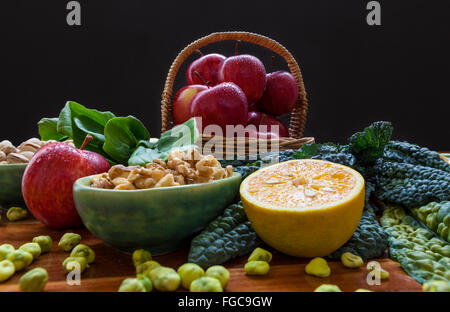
181	168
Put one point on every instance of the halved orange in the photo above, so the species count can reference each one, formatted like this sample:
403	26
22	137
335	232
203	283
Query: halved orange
305	207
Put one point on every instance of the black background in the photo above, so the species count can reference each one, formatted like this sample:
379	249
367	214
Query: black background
118	59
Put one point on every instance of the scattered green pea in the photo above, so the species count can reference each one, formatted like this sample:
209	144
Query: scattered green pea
70	263
328	288
7	270
45	242
140	256
16	214
33	248
165	279
260	254
351	261
256	268
84	251
5	250
318	267
68	241
20	259
132	285
147	267
219	272
145	281
436	286
363	290
188	273
206	284
34	280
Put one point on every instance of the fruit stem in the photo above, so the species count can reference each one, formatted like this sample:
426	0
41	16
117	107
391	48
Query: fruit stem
236	47
87	139
206	83
199	52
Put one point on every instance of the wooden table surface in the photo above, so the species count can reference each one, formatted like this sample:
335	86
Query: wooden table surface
111	267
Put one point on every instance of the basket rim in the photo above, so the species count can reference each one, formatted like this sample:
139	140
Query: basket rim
298	115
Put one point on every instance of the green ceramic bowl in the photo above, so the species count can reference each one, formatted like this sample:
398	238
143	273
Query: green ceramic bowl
11	185
160	220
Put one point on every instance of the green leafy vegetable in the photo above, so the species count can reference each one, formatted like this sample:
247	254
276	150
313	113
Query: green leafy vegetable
122	135
181	137
122	140
48	130
368	145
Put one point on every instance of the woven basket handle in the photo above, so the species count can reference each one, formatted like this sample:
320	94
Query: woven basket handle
298	115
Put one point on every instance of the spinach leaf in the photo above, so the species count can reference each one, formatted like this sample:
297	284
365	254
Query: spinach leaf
48	130
181	137
76	121
122	135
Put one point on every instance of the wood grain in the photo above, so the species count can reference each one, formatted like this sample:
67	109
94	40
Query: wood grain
111	267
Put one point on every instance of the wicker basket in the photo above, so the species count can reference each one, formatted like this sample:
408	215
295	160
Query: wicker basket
298	115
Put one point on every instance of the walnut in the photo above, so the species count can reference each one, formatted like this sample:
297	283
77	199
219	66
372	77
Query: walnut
160	162
2	156
4	162
16	158
27	154
125	186
119	181
7	147
102	181
144	183
167	180
119	171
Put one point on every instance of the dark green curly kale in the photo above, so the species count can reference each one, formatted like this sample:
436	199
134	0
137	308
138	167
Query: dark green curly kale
412	154
228	236
368	146
410	185
330	152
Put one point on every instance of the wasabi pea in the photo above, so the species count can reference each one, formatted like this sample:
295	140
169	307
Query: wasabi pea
256	268
68	241
33	248
45	242
145	281
188	273
34	280
132	285
20	259
206	284
16	214
260	254
7	270
165	279
318	267
140	256
5	250
146	267
363	290
327	288
436	286
84	251
219	272
71	263
351	261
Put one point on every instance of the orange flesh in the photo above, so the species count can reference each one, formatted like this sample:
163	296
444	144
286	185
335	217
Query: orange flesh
301	184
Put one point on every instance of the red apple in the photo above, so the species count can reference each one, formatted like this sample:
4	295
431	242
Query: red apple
204	70
259	119
261	134
48	182
247	72
182	102
224	104
281	94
